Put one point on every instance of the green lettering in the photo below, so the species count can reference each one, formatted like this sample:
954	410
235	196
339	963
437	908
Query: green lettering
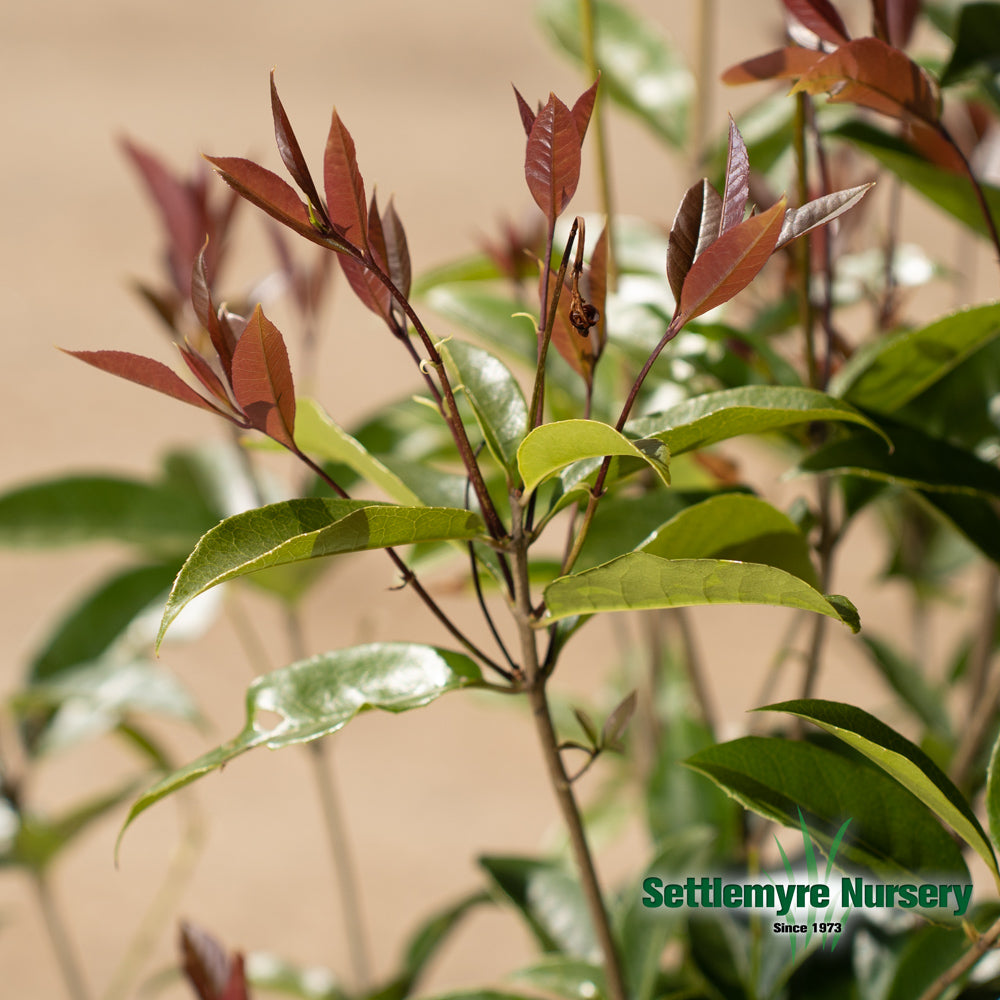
819	895
673	895
652	896
928	896
907	896
732	896
963	896
759	897
851	892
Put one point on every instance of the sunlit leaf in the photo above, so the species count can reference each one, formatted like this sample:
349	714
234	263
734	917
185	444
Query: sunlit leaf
818	212
788	63
290	151
901	759
552	158
297	530
583	108
316	697
638	581
201	298
563	976
526	113
893	20
345	189
262	379
695	227
737	189
397	251
891	833
821	18
553	446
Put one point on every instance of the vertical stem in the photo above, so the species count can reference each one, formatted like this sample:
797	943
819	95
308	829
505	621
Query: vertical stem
701	106
61	944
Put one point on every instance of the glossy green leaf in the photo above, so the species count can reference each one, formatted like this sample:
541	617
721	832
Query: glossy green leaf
84	509
891	833
321	438
493	317
638	580
318	696
562	976
918	461
738	527
495	396
758	409
552	447
898	757
974	517
549	899
297	530
100	618
894	370
951	192
640	70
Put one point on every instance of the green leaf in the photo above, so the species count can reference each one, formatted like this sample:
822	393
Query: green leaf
918	461
551	901
640	70
564	977
977	46
495	396
951	192
892	370
553	446
993	793
265	971
638	580
318	696
738	527
496	319
321	438
758	409
975	518
891	833
898	757
926	953
297	530
85	509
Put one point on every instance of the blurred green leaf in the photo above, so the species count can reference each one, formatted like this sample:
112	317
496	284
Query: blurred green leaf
977	45
993	793
318	696
563	976
265	971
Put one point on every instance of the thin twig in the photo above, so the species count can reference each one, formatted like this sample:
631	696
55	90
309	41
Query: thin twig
66	958
952	975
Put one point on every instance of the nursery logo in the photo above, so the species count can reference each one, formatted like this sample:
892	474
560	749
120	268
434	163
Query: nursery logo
814	908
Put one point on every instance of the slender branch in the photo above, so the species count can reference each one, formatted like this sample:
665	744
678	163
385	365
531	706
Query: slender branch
62	946
806	313
825	548
701	106
694	667
952	975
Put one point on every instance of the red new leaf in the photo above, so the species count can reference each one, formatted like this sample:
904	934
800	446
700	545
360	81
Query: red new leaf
818	212
149	373
365	284
397	251
821	18
872	74
209	970
730	264
236	987
552	159
695	228
291	152
584	108
524	110
734	198
345	188
893	20
783	64
262	380
201	298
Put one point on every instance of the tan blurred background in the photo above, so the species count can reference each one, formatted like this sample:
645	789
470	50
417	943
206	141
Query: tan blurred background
425	89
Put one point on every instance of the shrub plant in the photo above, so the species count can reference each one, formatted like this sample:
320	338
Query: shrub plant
565	459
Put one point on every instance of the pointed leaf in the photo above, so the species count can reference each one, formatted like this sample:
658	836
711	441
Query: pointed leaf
788	63
695	227
397	251
640	69
730	263
638	581
821	18
901	759
290	151
296	530
891	833
993	793
818	212
617	722
584	108
893	20
205	962
318	696
149	373
553	446
552	158
201	297
524	110
734	198
717	416
345	190
262	380
872	74
735	526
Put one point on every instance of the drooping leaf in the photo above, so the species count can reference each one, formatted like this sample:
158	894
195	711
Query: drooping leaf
737	189
553	446
716	416
262	379
297	530
730	263
638	581
872	74
901	759
788	63
735	526
891	833
345	189
945	189
149	373
640	69
695	227
495	396
919	461
977	43
291	152
318	696
821	18
818	212
552	158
